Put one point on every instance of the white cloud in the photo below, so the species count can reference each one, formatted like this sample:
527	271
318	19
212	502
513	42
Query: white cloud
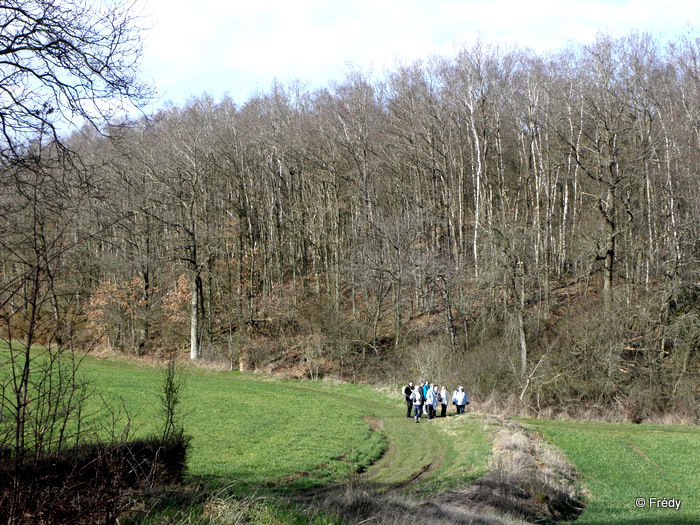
241	46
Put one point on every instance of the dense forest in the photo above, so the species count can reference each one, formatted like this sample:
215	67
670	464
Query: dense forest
527	224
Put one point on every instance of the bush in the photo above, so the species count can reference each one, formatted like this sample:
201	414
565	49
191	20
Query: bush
88	483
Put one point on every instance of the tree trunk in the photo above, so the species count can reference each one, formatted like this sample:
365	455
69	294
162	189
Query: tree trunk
195	351
521	322
608	211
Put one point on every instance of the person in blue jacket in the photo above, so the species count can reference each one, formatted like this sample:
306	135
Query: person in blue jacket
426	386
431	401
460	399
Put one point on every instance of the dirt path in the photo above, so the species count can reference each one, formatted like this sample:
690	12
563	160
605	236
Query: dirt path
510	492
414	451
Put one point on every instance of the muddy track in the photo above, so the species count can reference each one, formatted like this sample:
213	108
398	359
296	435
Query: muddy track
422	474
511	492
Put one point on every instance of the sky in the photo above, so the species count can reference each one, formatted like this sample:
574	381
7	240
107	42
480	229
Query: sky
238	48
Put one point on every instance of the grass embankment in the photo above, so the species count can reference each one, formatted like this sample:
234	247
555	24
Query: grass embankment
632	471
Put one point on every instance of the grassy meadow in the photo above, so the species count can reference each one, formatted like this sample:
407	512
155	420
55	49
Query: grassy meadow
258	431
292	434
261	436
623	463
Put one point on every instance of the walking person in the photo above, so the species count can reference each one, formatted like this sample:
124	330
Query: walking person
431	401
407	391
417	400
444	400
436	392
460	399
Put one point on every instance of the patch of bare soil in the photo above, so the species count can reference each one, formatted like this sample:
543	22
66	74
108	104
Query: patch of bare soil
527	482
375	425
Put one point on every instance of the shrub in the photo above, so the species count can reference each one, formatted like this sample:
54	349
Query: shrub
89	482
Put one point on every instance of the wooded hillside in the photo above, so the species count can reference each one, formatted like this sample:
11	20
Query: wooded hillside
526	224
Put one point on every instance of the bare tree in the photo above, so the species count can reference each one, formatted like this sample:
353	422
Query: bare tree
65	61
485	191
61	61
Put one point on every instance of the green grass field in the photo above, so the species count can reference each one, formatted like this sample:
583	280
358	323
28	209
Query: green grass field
294	433
266	436
248	428
631	469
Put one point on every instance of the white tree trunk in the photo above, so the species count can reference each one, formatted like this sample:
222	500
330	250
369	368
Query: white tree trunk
194	320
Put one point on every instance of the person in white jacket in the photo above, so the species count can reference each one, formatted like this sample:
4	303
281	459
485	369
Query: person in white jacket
417	399
444	401
460	399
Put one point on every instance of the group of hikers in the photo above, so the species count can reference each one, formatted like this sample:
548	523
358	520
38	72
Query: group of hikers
430	396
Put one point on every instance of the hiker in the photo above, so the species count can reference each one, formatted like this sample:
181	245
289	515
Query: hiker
460	399
431	401
425	387
417	399
407	391
444	400
436	389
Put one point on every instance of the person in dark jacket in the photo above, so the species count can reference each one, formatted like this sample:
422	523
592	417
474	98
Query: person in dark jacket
407	391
